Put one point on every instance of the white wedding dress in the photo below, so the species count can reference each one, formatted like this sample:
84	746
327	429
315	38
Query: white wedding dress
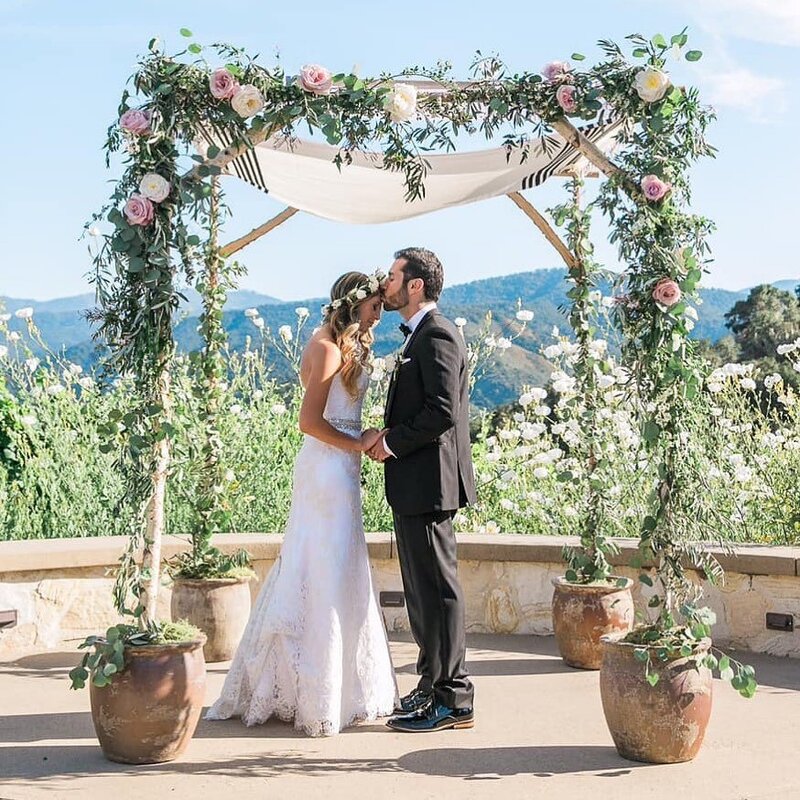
315	650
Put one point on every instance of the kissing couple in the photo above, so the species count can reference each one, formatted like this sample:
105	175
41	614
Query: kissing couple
315	651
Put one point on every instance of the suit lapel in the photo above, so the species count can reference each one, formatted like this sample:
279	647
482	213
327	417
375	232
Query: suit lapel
407	348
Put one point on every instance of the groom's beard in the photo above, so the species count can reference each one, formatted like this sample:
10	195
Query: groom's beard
396	301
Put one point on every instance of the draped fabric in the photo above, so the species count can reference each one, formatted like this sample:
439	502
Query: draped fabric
303	175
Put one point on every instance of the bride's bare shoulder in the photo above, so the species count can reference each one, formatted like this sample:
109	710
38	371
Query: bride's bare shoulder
321	348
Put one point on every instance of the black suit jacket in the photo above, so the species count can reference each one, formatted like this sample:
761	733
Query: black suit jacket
427	413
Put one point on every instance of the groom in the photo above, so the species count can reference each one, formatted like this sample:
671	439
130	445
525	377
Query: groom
425	449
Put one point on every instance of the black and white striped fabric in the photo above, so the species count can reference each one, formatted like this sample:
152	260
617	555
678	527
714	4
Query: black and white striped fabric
303	174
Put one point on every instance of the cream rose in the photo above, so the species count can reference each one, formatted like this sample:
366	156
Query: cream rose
651	84
154	187
247	102
401	102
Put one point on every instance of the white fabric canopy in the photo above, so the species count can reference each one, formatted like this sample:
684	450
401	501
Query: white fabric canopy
302	175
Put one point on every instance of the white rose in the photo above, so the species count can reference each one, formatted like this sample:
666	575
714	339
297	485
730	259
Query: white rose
503	343
376	411
783	349
360	294
492	527
743	474
29	420
258	322
251	312
258	395
55	389
389	362
506	504
86	383
3	351
459	322
247	102
526	399
236	409
94	231
32	363
542	411
401	102
772	380
651	84
14	336
748	383
24	313
540	472
5	317
301	312
278	409
524	316
154	187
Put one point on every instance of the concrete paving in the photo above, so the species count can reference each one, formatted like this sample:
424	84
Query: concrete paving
539	733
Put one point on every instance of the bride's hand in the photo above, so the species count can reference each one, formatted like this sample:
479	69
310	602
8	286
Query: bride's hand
369	437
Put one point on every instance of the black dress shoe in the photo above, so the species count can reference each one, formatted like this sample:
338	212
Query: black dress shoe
435	717
414	701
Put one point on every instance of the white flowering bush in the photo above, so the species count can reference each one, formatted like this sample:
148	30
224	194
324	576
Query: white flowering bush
56	476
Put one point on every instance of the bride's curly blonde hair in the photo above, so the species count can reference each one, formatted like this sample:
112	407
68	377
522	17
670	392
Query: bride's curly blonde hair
341	316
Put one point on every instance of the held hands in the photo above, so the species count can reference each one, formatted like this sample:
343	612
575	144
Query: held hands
368	439
372	444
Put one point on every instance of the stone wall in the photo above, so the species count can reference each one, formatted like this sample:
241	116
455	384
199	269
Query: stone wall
62	588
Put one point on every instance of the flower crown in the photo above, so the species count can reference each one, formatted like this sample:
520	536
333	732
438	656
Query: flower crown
359	292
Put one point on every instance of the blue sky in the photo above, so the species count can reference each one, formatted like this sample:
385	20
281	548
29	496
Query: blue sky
64	65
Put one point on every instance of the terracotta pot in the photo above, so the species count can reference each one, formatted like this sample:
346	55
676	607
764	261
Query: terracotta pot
220	607
149	711
583	613
661	724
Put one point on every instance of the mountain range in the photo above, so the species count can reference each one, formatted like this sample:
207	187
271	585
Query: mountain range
543	291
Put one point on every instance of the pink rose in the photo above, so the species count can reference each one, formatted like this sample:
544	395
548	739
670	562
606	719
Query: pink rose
316	79
654	188
667	292
222	84
138	210
565	96
135	121
556	71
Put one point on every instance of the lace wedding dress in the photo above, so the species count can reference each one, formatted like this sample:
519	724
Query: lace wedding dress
315	649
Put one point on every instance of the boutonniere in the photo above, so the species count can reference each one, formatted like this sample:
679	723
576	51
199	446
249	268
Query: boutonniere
394	362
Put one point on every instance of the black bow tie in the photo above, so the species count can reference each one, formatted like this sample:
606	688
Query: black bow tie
405	330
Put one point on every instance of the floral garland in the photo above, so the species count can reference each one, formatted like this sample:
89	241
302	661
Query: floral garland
359	292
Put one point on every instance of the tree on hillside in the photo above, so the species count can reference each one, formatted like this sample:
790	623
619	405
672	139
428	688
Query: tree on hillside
767	318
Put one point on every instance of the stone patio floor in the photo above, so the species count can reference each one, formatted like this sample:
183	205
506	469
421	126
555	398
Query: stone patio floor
539	733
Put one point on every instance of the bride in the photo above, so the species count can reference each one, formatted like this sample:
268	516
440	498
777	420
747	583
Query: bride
315	649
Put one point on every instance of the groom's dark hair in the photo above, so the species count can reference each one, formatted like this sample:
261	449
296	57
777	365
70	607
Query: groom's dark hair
422	263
